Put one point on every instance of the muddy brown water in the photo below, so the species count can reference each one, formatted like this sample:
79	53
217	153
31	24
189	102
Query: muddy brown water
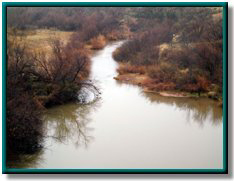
127	128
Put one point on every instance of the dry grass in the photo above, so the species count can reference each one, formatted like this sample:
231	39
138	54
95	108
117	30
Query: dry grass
39	40
42	38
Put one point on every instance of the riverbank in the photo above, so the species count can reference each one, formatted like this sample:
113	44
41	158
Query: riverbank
163	89
148	85
168	68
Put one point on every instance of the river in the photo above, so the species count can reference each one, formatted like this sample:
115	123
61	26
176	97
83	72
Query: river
127	128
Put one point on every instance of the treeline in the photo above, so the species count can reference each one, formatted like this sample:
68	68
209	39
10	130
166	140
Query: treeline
63	18
94	25
178	48
92	20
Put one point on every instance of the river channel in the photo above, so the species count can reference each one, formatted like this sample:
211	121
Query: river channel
127	128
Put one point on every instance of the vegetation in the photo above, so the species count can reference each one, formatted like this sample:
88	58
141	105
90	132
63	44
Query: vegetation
98	42
36	81
178	49
48	55
87	23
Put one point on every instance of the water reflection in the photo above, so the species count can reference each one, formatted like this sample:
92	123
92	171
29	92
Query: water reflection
65	123
70	122
197	109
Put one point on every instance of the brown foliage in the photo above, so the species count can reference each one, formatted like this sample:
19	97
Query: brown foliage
98	42
24	128
143	49
65	65
210	60
127	68
162	73
35	79
162	86
202	83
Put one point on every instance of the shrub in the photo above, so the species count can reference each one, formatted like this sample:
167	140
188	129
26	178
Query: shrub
162	86
127	52
24	127
210	59
163	72
114	36
62	94
66	64
190	88
143	49
155	73
127	68
202	83
98	42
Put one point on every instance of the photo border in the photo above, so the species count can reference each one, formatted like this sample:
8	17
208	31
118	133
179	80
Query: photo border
224	170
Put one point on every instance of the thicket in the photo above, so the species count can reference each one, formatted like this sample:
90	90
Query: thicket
144	48
88	23
63	18
36	81
192	59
